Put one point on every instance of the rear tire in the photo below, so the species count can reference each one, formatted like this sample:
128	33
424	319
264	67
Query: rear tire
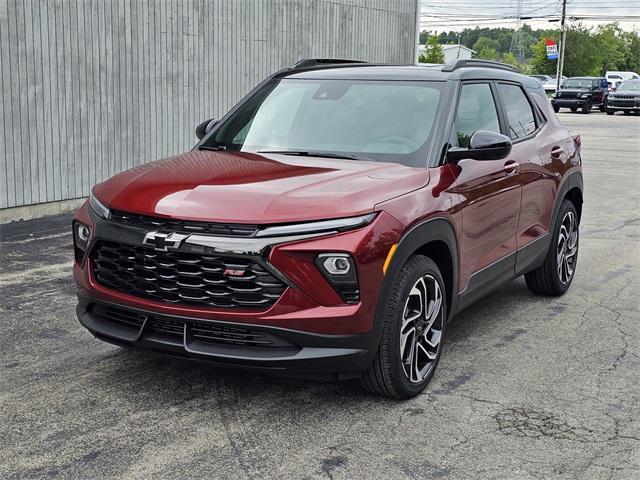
637	114
556	108
554	276
412	331
574	109
586	108
610	112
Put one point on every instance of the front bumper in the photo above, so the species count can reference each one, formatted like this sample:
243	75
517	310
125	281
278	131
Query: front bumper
613	104
569	102
234	345
322	334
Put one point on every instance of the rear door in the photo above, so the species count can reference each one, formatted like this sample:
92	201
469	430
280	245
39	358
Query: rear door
490	197
540	153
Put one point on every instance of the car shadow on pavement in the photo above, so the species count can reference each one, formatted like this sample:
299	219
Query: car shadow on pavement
179	381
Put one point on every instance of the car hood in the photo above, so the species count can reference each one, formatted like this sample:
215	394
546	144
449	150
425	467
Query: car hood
635	93
238	187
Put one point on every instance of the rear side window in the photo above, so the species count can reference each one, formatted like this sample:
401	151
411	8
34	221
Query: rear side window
520	117
476	111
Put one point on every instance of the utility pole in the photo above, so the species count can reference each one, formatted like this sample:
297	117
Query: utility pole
517	40
563	38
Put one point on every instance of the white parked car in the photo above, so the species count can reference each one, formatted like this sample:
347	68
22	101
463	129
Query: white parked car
549	82
615	78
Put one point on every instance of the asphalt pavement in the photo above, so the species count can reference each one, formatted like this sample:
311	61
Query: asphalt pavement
528	387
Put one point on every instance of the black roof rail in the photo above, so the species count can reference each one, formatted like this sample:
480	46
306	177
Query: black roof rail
476	62
315	62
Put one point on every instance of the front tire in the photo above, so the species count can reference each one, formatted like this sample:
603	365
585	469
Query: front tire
610	112
556	108
554	276
412	332
586	108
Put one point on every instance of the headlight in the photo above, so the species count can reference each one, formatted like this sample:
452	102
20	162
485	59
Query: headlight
98	208
339	225
585	95
636	98
340	271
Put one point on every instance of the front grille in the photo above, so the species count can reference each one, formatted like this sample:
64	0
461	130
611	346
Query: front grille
624	97
183	226
174	328
184	278
562	94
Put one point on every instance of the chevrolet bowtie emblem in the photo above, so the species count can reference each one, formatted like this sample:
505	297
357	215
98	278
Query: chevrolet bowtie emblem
164	242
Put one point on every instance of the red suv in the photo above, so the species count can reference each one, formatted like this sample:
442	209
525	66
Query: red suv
334	221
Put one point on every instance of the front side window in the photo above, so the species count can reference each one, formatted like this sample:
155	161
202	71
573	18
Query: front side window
476	111
367	120
520	117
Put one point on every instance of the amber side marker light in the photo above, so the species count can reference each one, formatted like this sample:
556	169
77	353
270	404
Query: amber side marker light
392	250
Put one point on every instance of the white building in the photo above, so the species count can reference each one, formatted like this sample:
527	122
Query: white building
451	52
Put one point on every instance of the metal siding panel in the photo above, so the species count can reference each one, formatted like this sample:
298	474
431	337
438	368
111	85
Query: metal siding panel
110	85
7	186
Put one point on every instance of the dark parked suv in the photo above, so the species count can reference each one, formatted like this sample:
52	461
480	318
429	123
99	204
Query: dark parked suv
625	99
334	221
582	93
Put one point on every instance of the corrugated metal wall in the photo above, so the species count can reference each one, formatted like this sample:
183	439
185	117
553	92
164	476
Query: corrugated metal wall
92	87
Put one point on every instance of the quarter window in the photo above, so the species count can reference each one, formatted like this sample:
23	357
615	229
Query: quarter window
520	117
476	111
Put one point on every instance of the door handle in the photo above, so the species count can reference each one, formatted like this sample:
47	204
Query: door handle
556	152
511	167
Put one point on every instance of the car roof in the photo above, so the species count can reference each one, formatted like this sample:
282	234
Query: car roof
586	78
435	73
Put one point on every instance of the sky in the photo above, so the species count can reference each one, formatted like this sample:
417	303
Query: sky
447	15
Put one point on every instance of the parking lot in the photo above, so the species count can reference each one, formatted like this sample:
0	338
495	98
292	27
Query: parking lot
528	387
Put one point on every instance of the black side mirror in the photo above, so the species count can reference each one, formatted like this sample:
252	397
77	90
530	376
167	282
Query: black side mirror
483	145
205	127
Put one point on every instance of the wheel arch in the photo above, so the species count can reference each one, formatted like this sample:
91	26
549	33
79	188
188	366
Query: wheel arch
434	238
570	189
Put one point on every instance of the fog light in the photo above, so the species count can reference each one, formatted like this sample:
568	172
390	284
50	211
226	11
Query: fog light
83	232
336	265
340	271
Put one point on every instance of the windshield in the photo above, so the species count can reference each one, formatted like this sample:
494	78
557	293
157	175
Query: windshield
578	83
634	85
367	120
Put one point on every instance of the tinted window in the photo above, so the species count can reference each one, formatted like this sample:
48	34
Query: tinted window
476	111
369	120
520	116
577	83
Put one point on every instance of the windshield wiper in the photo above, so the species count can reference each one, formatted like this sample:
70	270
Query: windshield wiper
217	148
306	153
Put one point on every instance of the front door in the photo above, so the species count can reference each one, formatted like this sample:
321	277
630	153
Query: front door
490	196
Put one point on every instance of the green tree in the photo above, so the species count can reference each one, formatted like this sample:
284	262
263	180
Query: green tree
433	51
487	53
484	43
631	41
610	47
581	55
